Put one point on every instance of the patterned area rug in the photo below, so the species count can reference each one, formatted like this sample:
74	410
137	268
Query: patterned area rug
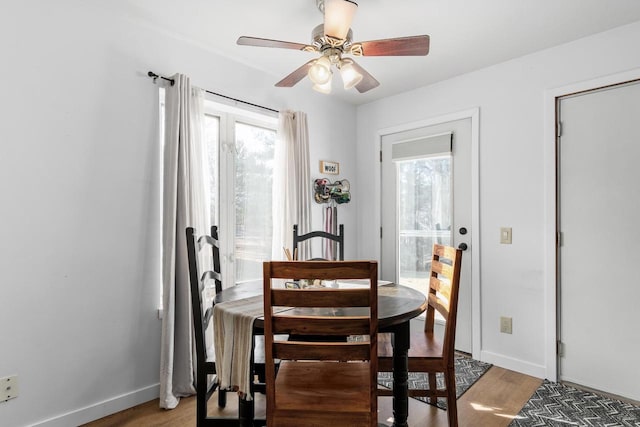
468	371
554	404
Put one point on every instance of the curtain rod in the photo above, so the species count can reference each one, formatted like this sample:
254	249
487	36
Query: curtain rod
155	77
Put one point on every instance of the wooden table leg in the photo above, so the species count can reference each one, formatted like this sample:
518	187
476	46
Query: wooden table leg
401	343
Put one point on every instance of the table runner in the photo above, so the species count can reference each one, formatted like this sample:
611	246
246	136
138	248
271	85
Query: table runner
233	339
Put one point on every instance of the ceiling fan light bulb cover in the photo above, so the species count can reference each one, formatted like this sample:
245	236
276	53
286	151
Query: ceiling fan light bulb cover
320	71
350	77
338	15
323	88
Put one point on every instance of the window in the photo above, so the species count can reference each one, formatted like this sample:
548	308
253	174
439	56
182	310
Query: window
424	196
424	214
240	146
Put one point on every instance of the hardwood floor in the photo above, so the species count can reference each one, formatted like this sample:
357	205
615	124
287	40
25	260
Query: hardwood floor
493	401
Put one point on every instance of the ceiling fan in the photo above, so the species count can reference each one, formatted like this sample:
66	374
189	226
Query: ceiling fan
333	40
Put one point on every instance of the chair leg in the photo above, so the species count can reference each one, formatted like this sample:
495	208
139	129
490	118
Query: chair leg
201	402
433	387
452	403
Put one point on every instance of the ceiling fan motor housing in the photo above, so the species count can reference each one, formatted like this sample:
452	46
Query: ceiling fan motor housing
323	42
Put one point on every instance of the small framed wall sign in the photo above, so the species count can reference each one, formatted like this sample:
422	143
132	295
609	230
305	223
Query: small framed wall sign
330	168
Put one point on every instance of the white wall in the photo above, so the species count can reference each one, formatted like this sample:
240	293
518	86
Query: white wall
512	174
79	179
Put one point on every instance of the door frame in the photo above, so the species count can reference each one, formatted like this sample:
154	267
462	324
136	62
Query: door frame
550	267
474	115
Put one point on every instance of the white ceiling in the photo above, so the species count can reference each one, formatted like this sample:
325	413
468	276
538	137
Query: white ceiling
466	35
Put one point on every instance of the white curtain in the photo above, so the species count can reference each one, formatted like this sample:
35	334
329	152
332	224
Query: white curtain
185	203
292	184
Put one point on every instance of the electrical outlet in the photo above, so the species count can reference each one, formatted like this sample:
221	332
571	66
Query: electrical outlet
506	325
8	388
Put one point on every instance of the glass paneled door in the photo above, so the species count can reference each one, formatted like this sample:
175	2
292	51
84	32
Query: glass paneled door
424	215
426	199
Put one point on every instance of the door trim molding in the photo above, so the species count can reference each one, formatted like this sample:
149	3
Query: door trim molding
550	206
474	115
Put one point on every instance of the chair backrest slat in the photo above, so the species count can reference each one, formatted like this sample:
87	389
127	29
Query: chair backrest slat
207	315
440	286
338	239
317	325
440	268
210	275
324	270
444	283
289	350
321	297
447	252
208	240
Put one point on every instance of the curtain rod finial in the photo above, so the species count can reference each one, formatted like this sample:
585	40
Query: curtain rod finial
155	77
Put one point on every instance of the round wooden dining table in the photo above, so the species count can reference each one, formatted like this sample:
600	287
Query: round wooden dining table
397	305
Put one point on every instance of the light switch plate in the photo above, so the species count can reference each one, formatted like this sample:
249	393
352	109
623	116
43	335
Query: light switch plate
8	388
505	235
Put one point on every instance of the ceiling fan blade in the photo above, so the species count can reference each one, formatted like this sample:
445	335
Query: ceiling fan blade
401	46
255	41
338	15
299	74
368	82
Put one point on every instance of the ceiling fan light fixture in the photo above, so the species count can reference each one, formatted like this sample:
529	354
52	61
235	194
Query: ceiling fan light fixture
332	40
323	88
320	71
350	77
338	15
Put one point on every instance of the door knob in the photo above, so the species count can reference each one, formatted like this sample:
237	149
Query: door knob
463	246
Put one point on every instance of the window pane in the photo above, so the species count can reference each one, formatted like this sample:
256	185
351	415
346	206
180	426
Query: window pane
212	144
254	178
424	191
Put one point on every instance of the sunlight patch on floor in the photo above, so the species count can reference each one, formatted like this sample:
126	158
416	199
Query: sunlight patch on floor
497	411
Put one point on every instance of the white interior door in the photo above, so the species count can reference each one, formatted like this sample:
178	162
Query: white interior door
598	206
426	198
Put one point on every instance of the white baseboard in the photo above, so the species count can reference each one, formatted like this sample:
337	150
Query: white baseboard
102	409
524	367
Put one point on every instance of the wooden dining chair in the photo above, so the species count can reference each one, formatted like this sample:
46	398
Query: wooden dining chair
429	352
337	238
203	254
321	383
